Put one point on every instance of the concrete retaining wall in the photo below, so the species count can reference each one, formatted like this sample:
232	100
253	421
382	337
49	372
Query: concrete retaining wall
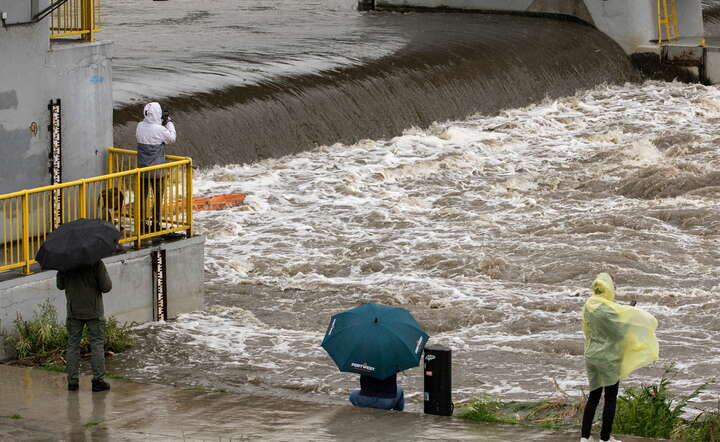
32	72
130	300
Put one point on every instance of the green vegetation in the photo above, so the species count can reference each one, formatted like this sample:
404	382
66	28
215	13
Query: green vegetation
14	416
92	424
651	410
42	341
41	338
558	414
486	409
647	411
704	428
54	367
117	337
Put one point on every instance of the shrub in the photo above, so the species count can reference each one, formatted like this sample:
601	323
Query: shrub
486	409
651	410
43	340
117	336
704	428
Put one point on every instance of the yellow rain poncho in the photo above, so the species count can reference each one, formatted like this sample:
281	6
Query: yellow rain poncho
619	339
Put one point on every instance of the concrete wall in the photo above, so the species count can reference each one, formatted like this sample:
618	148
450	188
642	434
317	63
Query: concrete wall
634	24
631	24
32	72
131	299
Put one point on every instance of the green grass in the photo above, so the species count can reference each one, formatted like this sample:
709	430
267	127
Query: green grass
51	366
647	411
92	424
704	428
14	416
652	410
486	409
117	336
42	340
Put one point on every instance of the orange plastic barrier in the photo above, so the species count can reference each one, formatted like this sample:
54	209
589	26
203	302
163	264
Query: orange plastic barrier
218	202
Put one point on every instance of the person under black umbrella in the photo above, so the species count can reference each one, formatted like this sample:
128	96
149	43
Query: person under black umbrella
75	250
84	287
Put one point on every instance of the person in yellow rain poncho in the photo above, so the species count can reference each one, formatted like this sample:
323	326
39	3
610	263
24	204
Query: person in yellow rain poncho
619	339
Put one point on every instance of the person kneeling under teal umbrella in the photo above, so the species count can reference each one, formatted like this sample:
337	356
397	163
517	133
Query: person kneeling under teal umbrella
382	394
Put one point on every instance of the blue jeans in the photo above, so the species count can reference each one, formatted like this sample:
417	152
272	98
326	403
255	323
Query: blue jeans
382	403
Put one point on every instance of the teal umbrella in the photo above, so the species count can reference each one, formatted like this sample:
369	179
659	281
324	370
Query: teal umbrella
375	340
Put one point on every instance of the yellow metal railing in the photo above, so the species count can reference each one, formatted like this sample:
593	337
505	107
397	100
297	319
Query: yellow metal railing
76	17
141	203
667	17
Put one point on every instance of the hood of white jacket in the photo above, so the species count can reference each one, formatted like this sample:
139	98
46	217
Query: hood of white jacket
153	113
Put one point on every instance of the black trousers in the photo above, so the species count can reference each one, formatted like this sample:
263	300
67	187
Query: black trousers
155	184
608	415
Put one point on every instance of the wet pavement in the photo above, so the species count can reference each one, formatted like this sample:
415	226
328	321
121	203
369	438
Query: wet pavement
34	405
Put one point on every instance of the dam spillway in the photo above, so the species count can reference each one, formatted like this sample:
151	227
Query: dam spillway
439	67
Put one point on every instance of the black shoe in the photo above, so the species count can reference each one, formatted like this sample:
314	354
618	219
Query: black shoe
99	386
73	387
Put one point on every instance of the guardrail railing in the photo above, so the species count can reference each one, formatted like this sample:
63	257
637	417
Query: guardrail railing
141	203
75	17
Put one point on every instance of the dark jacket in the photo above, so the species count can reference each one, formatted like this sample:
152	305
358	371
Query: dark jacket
386	388
84	288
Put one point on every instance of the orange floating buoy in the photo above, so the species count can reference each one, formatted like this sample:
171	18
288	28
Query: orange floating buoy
218	202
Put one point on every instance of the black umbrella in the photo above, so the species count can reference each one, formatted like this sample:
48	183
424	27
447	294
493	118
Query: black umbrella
78	243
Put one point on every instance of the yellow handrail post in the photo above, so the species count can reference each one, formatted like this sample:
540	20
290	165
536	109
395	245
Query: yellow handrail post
26	233
659	22
676	35
88	20
83	197
671	33
188	199
667	21
137	199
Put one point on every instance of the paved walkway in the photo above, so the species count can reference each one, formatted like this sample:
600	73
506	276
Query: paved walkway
35	406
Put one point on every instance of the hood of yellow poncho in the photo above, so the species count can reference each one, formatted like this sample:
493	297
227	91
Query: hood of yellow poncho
604	287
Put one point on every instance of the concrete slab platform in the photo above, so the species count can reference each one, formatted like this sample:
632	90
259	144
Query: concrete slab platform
710	42
35	406
132	296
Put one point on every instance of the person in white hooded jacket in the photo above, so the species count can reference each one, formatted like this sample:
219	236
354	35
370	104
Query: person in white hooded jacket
152	137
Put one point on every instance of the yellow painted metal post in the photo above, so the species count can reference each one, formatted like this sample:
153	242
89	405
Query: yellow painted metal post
659	21
674	20
137	198
26	234
88	20
666	21
188	199
83	196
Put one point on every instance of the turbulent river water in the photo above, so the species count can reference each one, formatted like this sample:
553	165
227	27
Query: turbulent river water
489	228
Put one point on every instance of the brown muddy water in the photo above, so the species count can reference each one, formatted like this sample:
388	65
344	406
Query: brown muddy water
489	229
